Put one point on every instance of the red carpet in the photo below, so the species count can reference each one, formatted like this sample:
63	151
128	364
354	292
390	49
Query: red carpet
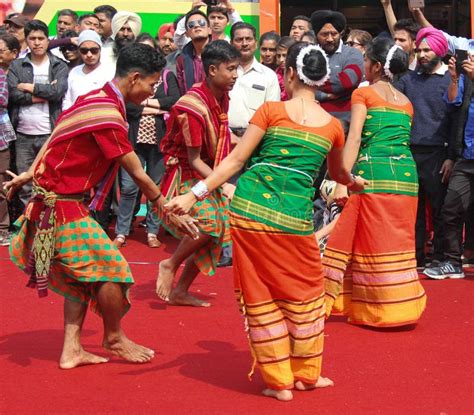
202	357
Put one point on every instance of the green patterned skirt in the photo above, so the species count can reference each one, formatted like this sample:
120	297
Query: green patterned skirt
213	220
83	255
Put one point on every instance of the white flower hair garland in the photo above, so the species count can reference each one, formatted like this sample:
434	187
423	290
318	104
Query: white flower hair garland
299	66
388	60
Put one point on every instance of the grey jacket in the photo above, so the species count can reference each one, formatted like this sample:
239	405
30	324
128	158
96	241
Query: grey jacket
21	71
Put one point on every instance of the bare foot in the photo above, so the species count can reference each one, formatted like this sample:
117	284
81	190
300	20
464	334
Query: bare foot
283	395
128	350
70	360
320	383
164	282
186	299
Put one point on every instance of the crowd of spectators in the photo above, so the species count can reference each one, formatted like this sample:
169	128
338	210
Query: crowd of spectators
42	75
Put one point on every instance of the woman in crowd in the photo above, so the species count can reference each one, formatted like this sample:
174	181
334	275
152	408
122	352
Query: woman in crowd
278	276
282	49
147	128
71	50
375	232
9	49
268	49
359	39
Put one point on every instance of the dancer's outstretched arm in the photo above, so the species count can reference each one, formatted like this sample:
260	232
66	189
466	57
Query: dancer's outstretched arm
232	164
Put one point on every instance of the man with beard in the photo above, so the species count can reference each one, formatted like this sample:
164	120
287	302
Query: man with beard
346	65
126	26
430	134
165	39
189	69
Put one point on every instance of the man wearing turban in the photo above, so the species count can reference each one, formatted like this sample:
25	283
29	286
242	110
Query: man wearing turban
165	38
346	64
126	26
430	135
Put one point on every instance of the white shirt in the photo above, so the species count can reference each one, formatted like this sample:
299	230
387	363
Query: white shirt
34	119
80	83
107	54
257	85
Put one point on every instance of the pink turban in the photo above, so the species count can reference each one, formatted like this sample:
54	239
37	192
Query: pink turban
435	39
165	28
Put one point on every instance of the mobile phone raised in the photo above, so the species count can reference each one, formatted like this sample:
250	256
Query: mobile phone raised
461	56
416	4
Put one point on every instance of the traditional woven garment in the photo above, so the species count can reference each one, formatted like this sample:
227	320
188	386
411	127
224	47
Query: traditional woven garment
84	255
370	255
81	155
278	275
385	158
198	120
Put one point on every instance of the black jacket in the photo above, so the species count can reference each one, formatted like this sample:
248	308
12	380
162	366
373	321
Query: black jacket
21	71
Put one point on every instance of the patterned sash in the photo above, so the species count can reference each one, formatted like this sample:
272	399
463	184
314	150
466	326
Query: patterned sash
39	262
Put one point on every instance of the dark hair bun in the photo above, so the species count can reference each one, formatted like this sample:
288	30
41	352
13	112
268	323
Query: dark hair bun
314	65
378	49
399	62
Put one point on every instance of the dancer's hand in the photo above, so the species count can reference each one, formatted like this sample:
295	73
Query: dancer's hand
16	183
180	205
184	223
359	184
228	190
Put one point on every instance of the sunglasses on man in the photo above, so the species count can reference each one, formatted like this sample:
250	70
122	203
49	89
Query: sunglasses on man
194	23
85	51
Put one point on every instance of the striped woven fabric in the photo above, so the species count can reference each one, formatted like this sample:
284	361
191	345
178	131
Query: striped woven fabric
213	220
92	112
84	255
276	189
384	157
282	300
375	236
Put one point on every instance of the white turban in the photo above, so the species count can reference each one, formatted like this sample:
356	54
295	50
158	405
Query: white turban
123	17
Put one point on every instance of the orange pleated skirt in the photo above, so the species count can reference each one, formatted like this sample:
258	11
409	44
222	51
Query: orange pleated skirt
370	265
279	284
